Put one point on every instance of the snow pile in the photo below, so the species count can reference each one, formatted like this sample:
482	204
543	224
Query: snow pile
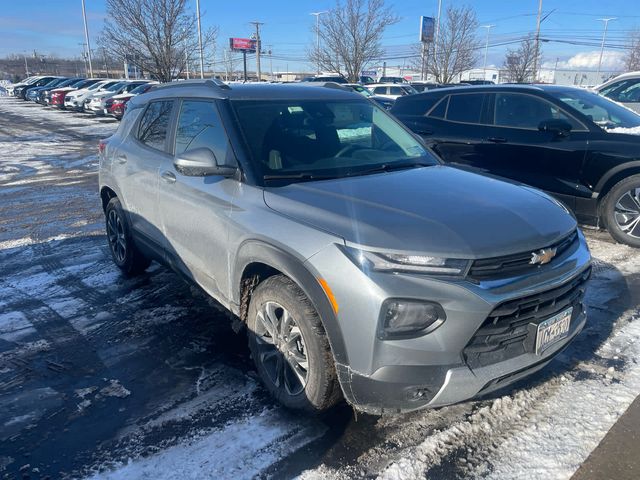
625	130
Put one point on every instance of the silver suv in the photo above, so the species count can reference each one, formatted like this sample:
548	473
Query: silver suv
361	266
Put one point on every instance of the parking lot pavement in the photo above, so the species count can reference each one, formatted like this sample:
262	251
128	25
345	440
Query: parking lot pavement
144	378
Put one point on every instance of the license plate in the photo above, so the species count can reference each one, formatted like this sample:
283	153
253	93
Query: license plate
106	112
553	330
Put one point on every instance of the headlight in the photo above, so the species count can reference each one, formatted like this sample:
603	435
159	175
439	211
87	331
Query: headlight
407	262
400	318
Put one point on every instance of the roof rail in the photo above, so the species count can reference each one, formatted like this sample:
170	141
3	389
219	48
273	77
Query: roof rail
209	82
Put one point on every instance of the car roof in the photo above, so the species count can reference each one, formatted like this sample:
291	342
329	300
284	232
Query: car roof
388	84
268	91
515	87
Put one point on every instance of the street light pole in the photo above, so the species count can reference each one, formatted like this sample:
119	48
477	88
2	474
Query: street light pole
435	41
86	39
604	37
200	39
317	15
486	49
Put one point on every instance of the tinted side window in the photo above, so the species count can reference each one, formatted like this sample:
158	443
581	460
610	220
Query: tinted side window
396	91
440	109
465	107
199	126
630	92
154	124
380	90
526	111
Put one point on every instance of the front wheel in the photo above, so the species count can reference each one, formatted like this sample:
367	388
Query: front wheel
621	211
290	348
124	252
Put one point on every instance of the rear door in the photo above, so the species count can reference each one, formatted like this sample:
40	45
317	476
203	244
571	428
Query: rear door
195	211
516	149
136	165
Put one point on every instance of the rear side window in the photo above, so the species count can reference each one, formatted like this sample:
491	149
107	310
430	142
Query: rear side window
199	126
396	91
152	130
440	109
465	108
380	90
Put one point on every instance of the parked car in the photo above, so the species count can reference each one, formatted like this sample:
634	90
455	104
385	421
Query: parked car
624	89
424	86
21	91
569	142
58	94
391	90
76	100
365	79
392	80
26	81
359	264
31	93
43	93
116	105
479	82
96	102
325	78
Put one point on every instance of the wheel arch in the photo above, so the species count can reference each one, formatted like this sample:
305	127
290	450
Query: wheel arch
256	261
616	175
106	194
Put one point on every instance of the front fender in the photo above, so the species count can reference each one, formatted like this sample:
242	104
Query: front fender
253	251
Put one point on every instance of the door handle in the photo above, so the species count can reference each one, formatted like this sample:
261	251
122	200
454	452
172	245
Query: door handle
121	159
496	139
168	177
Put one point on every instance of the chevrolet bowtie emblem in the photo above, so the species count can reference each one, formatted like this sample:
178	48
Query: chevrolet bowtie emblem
542	256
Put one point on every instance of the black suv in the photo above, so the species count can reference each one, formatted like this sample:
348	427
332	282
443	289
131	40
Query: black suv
570	142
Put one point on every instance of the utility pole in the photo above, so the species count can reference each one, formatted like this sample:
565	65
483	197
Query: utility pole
317	15
604	36
200	39
26	65
486	49
270	60
258	47
86	39
537	52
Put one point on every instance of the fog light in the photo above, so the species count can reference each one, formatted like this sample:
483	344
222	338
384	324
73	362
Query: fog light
409	318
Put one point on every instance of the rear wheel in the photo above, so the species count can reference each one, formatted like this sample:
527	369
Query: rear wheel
290	348
124	252
621	211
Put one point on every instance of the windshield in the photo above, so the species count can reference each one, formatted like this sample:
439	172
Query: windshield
308	140
602	111
116	86
140	89
361	90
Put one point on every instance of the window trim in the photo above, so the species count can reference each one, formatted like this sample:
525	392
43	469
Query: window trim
495	99
445	98
446	112
170	125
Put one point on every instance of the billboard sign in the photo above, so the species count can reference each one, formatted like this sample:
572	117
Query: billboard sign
427	27
247	45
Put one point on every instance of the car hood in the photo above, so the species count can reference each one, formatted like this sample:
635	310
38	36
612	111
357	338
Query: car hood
122	96
438	210
102	95
63	89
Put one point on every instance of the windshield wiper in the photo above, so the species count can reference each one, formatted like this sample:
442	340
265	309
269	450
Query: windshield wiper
299	176
389	167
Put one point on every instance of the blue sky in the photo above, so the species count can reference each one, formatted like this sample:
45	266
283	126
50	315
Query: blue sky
55	26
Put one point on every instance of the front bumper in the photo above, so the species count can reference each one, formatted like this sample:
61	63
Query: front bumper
437	369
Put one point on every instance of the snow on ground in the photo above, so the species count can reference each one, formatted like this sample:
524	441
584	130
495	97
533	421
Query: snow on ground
107	377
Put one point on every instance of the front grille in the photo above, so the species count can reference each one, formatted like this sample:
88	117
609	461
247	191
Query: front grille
510	329
518	263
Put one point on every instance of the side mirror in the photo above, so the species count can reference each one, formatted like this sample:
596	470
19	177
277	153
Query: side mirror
557	126
201	162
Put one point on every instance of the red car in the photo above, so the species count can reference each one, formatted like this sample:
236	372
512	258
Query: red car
58	94
119	102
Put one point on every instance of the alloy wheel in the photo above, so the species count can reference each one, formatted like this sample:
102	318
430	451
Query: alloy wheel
115	234
281	348
627	213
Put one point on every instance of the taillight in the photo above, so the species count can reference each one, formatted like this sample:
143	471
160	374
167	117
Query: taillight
101	146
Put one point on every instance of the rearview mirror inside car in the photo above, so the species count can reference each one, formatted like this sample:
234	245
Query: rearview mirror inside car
557	126
201	162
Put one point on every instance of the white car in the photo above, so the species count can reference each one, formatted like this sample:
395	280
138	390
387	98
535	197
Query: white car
76	100
97	102
624	89
391	90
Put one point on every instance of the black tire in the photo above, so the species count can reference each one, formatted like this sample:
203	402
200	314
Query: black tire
621	211
124	252
319	390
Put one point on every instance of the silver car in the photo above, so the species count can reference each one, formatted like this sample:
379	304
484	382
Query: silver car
362	267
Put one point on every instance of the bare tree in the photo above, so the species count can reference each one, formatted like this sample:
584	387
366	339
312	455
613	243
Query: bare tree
456	47
520	63
632	58
350	36
155	35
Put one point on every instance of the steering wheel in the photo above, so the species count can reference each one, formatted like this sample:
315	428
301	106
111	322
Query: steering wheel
344	150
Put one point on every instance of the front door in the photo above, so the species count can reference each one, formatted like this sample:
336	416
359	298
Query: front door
195	211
